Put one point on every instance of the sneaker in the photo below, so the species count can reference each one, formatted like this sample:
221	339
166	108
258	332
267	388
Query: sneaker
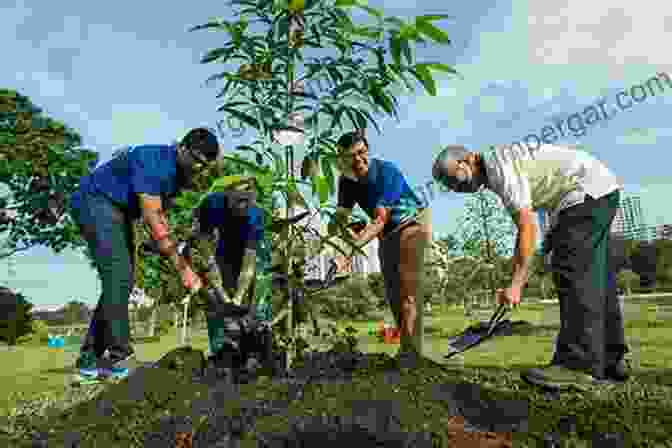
87	368
617	372
559	377
116	367
408	359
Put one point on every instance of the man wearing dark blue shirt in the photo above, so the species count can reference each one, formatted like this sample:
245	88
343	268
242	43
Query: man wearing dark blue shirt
139	181
242	255
400	222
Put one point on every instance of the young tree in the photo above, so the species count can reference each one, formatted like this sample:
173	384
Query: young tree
41	163
293	101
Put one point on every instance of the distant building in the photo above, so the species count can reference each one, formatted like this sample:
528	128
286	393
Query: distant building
317	266
662	232
629	221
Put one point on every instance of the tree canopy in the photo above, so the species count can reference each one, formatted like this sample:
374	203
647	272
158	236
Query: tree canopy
41	162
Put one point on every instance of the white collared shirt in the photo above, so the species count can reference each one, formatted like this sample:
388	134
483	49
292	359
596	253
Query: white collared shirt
552	178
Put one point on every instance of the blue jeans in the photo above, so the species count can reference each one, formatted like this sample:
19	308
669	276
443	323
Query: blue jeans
108	232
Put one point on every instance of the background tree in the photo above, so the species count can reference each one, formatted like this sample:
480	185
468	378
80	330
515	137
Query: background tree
644	260
272	91
486	233
663	262
75	312
626	279
15	316
41	163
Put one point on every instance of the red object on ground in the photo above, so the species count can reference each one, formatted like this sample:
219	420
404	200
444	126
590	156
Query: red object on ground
392	336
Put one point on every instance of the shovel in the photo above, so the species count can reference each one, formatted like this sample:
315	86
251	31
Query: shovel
476	334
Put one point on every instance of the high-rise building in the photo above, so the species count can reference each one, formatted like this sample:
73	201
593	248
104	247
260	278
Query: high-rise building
629	219
661	232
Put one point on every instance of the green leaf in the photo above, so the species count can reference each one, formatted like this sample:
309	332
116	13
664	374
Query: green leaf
396	21
344	87
328	172
407	50
355	119
346	3
395	48
380	98
434	33
220	24
242	116
441	67
245	148
422	74
372	11
321	185
367	116
433	17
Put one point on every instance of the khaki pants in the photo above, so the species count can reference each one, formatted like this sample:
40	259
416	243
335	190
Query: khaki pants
402	260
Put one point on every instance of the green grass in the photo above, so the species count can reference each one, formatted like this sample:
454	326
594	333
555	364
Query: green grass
641	410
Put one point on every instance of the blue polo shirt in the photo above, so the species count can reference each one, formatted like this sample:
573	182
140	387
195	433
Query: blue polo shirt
149	169
235	233
384	186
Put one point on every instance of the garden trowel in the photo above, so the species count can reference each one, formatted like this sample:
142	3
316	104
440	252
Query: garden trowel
478	333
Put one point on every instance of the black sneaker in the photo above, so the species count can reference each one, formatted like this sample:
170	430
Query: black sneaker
617	372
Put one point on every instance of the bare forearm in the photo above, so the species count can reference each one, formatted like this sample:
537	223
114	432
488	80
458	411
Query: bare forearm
524	255
156	220
247	273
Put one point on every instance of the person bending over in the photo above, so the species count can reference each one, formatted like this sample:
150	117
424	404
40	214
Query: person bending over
138	182
582	196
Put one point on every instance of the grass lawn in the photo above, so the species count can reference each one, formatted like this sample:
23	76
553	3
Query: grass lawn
641	409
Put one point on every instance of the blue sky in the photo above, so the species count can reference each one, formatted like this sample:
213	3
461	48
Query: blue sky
127	72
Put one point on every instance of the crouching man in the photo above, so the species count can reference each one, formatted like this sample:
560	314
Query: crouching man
243	255
582	196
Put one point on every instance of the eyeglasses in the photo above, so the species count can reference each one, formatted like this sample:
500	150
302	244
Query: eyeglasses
352	155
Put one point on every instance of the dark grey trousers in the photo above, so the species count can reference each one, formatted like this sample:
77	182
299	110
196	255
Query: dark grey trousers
109	234
591	335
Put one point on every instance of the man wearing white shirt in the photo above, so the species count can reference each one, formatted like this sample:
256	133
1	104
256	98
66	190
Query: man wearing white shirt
581	196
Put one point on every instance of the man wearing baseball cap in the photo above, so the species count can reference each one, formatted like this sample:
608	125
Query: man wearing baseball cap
243	255
582	196
138	182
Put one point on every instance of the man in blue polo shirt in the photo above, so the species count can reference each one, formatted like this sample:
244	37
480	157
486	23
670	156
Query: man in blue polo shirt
139	181
400	222
242	255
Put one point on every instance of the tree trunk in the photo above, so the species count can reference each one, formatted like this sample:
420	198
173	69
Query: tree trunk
153	319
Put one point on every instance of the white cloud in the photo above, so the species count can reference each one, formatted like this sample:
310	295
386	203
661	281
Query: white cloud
643	136
618	34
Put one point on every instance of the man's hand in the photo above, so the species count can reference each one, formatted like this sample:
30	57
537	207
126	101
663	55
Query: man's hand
190	280
343	263
509	296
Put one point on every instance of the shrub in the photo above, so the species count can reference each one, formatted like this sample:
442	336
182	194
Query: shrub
15	317
376	284
354	299
40	334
